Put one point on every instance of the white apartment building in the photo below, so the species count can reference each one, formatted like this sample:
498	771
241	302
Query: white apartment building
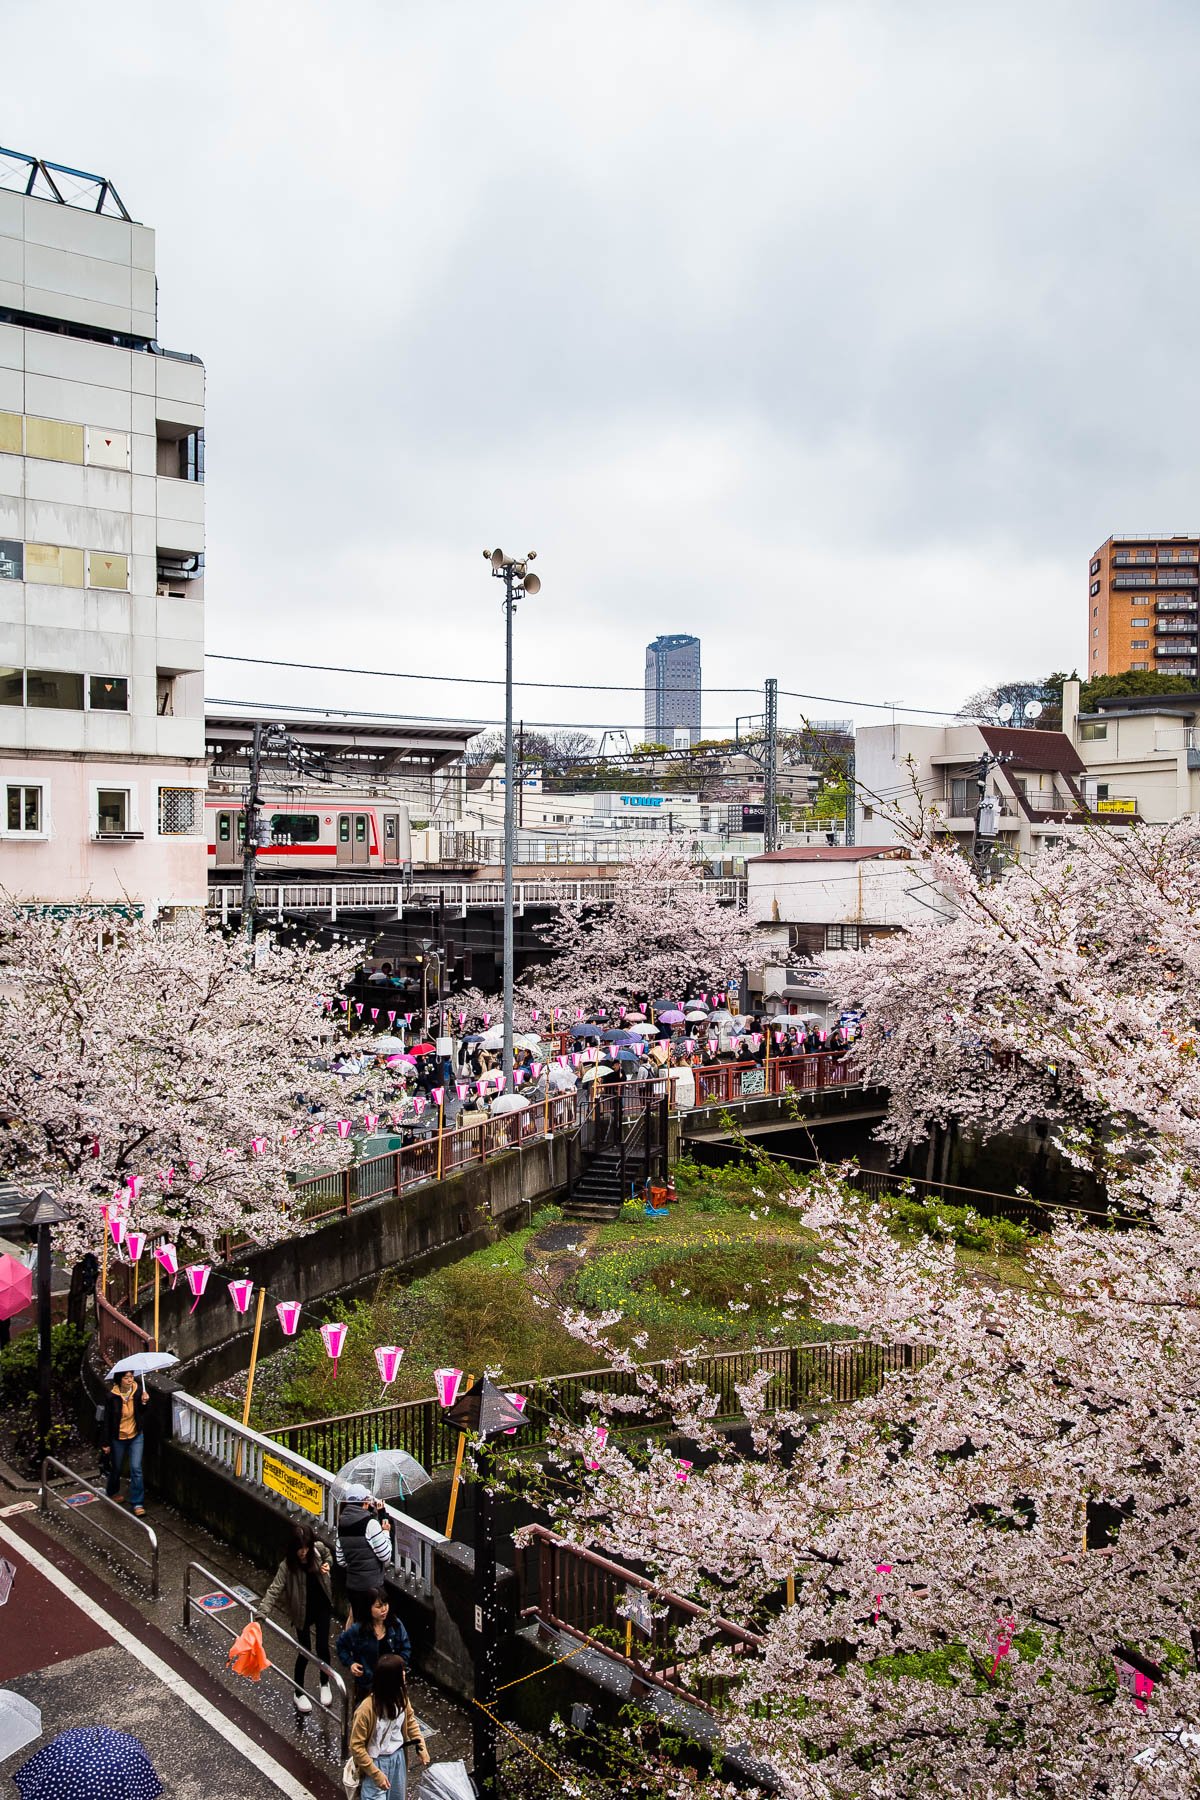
101	558
1141	754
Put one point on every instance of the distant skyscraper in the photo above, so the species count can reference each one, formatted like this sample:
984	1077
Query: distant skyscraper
673	689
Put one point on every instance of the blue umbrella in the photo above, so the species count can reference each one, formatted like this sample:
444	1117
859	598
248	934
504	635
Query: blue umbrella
586	1030
629	1056
90	1763
618	1037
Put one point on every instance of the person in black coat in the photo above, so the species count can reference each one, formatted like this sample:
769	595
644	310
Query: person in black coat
361	1645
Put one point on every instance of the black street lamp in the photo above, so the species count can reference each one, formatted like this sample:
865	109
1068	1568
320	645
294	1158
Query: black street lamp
485	1412
41	1214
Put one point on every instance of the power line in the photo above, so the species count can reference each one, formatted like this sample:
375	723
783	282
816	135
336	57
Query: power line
587	687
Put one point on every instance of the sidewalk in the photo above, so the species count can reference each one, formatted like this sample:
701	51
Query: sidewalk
85	1672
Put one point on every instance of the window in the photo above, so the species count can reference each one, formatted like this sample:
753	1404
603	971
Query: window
1092	734
180	452
360	828
12	687
1095	631
1139	665
1096	567
964	794
343	828
1136	622
1139	643
54	565
54	689
1095	656
1095	588
24	809
295	828
1102	790
54	440
112	811
842	937
181	812
12	560
107	570
108	693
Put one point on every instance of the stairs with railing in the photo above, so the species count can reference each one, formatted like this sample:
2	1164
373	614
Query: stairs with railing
618	1152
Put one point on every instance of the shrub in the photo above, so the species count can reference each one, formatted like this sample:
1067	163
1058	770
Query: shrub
962	1224
18	1366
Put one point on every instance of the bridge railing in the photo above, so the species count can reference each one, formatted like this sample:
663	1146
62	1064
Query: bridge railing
305	1488
841	1371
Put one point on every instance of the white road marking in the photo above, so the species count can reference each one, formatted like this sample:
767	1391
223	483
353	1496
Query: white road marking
263	1763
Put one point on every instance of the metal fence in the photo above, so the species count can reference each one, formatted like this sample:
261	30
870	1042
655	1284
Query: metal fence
802	1373
119	1336
629	1619
77	1508
1021	1209
305	1488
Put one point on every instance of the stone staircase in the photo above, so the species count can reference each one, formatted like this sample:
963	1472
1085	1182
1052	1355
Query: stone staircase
597	1198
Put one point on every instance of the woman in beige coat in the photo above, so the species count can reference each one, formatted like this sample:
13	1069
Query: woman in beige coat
384	1725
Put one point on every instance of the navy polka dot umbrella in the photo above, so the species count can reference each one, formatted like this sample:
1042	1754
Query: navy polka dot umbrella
90	1763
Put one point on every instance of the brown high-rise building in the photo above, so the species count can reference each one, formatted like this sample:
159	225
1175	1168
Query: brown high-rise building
1142	605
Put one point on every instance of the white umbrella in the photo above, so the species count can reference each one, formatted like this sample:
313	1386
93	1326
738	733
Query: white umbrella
388	1474
20	1722
696	1017
378	1046
144	1363
506	1103
645	1030
561	1080
595	1070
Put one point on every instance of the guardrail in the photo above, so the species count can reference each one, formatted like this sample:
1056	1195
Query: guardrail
342	1713
82	1515
304	1487
840	1371
392	897
627	1618
119	1336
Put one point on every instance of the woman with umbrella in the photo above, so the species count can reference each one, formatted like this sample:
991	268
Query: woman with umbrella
124	1415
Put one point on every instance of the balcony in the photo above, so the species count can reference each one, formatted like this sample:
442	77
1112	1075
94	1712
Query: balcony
1176	606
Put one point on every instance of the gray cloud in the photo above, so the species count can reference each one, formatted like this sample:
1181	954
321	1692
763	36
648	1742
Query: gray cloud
838	333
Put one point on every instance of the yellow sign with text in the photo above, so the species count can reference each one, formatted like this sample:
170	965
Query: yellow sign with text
1116	806
297	1488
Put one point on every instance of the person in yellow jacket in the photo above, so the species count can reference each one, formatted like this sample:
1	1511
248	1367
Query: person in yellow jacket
383	1726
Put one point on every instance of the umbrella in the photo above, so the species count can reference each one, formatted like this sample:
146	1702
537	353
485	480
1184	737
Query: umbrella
376	1046
422	1049
617	1037
659	1004
595	1071
388	1474
144	1363
447	1781
506	1103
90	1763
644	1030
562	1081
586	1030
20	1722
625	1054
16	1286
699	1016
672	1016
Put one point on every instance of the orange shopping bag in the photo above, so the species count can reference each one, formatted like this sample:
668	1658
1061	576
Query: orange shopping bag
246	1654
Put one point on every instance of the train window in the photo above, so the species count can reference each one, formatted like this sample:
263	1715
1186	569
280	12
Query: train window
360	828
295	828
223	832
344	828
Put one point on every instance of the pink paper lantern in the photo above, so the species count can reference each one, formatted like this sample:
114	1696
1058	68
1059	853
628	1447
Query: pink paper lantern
167	1257
343	1127
358	1006
535	1013
370	1120
314	1131
387	1359
683	1469
374	1012
117	1227
439	1095
418	1104
463	1089
166	1176
135	1183
197	1277
601	1435
193	1168
408	1018
392	1016
135	1243
289	1315
448	1382
335	1337
520	1401
239	1293
258	1145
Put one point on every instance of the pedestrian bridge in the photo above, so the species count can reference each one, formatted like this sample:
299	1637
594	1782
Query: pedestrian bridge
391	897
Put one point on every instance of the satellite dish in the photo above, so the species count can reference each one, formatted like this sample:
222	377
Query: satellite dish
1033	709
1004	713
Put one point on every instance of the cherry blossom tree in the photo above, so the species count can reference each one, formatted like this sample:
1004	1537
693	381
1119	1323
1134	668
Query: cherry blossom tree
661	933
985	1550
162	1067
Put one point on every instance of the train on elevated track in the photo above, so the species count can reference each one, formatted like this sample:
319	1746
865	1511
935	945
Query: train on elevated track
314	831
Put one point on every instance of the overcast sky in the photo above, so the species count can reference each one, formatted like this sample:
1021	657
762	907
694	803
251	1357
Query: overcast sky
838	334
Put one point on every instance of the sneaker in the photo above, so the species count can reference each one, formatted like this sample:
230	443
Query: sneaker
140	1511
326	1694
301	1702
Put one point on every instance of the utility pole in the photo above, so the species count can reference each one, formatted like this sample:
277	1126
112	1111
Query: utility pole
849	831
987	816
521	777
770	766
512	571
250	837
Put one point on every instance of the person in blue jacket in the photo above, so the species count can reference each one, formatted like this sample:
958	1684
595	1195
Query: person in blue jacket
361	1645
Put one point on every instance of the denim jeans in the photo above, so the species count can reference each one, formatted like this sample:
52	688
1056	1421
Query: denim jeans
128	1449
393	1767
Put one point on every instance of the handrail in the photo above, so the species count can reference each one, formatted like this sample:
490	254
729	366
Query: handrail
116	1329
47	1494
842	1369
598	1601
304	1487
346	1710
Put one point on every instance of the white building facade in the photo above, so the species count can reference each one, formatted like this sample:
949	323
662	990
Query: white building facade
101	559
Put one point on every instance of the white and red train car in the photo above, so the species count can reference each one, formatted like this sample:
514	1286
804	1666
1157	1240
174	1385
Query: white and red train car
314	830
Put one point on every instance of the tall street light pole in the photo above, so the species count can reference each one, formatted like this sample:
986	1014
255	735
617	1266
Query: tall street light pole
518	581
40	1215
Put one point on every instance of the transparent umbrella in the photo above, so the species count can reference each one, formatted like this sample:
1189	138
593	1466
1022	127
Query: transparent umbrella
387	1474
